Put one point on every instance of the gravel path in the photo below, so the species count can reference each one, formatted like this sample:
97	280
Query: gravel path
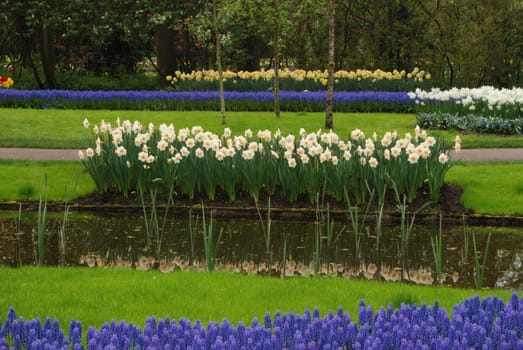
472	155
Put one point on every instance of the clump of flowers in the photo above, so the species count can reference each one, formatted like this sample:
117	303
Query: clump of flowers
6	82
490	323
485	109
130	155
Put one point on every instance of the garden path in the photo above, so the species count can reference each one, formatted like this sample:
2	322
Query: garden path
472	155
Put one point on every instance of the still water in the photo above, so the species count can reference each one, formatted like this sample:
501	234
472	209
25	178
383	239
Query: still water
288	249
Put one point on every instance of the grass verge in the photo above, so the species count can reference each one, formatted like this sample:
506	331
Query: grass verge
492	188
25	180
94	296
63	128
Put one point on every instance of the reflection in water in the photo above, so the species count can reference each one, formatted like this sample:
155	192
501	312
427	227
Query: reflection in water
120	242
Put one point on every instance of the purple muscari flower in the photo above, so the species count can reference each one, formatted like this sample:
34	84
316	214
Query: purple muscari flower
267	322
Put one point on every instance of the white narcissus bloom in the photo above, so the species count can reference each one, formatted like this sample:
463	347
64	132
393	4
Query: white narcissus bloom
183	134
291	162
142	157
287	155
386	140
89	152
334	160
253	146
199	153
230	152
357	134
177	158
220	155
395	151
86	123
443	158
127	126
207	143
373	162
184	151
227	132
215	145
413	158
81	155
363	161
386	154
248	133
190	143
313	151
120	151
248	154
151	159
347	155
117	137
162	145
195	130
425	152
137	127
275	155
98	150
430	141
304	159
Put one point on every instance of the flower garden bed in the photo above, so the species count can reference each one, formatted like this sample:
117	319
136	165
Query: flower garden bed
474	323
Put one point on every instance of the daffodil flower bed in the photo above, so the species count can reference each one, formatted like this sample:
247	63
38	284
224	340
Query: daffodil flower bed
299	80
484	109
206	100
129	156
490	323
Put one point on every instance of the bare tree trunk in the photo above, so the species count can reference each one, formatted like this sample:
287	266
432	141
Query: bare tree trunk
47	54
277	73
330	79
165	56
219	60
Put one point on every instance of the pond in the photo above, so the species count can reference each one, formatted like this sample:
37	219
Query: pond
468	256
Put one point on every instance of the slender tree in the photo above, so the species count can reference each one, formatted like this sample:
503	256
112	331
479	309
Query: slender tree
330	78
215	21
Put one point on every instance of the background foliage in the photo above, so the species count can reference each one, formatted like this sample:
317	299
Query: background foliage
462	43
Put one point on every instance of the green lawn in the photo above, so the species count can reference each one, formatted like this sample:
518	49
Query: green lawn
63	128
94	296
492	188
26	179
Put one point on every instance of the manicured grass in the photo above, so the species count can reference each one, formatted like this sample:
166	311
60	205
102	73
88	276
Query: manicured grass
25	180
63	128
94	296
494	188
